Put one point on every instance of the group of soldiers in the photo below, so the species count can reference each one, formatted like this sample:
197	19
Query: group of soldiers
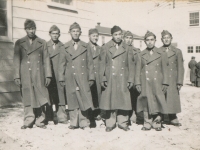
116	83
194	72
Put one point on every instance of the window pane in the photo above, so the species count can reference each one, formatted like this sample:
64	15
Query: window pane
3	18
3	4
3	31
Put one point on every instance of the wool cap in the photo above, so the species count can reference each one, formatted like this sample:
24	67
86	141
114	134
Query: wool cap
54	28
115	29
29	24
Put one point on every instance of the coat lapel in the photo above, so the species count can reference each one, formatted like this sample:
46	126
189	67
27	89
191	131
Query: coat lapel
171	52
120	50
53	52
154	56
97	52
25	44
35	45
145	55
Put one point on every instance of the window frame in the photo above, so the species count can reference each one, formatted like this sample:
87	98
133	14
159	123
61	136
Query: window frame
73	7
8	38
197	51
190	50
194	25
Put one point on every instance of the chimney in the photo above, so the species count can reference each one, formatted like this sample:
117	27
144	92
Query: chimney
98	23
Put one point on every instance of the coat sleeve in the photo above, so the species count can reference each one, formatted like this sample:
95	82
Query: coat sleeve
102	65
138	69
180	67
17	60
62	64
46	61
165	68
131	66
90	64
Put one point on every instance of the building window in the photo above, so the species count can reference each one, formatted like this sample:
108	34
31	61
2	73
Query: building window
66	2
3	18
194	19
197	49
190	49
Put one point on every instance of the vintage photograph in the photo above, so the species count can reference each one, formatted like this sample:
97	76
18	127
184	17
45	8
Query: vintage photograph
99	75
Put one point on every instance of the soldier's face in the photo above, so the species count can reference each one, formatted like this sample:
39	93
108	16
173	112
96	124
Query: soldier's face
128	40
94	37
167	39
54	35
117	36
150	42
30	32
75	33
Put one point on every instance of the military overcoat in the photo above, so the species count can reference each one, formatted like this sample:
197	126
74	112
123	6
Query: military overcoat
176	75
192	66
116	67
32	66
76	69
96	88
56	91
151	74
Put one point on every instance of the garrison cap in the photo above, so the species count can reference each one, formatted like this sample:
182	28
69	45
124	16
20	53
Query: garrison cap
115	29
54	28
29	24
91	31
128	33
165	32
149	34
193	57
74	26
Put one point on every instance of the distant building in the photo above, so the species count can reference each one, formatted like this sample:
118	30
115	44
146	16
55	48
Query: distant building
105	36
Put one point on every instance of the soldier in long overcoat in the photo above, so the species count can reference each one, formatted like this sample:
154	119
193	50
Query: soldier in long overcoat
76	72
198	74
96	87
128	39
151	81
56	91
116	77
32	72
192	66
176	75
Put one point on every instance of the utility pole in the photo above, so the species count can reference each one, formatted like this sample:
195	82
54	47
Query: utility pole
173	4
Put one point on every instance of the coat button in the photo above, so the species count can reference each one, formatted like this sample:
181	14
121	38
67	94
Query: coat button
29	69
37	68
121	74
28	62
156	71
82	66
147	72
113	67
146	65
147	78
82	73
112	59
39	55
123	61
122	68
113	74
38	61
94	66
74	73
83	59
154	78
172	62
95	72
72	66
171	69
157	64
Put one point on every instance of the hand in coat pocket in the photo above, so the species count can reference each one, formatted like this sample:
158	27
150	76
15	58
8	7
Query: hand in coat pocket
47	82
164	88
139	88
104	84
18	82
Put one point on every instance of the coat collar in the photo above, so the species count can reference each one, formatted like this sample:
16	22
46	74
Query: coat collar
116	52
37	43
96	53
171	51
156	54
135	50
69	47
51	51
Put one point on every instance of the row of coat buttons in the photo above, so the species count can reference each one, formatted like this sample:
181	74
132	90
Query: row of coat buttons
115	74
114	67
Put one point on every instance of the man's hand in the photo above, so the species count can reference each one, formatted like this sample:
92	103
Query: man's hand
164	88
129	85
18	82
62	83
91	83
139	88
104	84
179	87
47	82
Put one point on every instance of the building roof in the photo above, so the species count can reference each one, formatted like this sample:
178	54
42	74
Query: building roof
107	31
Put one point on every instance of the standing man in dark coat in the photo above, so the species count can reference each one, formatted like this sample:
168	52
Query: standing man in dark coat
128	39
96	87
192	66
116	77
198	74
56	91
151	81
176	75
32	72
76	72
